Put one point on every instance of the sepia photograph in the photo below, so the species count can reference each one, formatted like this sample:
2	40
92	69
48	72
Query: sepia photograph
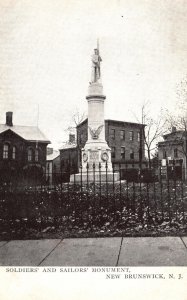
93	146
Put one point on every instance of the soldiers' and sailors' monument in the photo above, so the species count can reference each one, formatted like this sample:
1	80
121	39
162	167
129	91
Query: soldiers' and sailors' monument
96	154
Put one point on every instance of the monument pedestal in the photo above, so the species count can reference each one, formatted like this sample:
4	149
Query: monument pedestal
96	164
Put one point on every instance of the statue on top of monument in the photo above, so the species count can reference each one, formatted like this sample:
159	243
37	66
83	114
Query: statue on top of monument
96	59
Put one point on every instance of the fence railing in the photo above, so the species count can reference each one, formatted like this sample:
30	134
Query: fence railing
139	198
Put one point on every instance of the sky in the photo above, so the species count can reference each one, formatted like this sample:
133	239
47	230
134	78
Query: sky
45	58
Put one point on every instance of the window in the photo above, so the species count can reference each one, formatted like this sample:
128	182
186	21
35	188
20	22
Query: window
113	154
131	154
30	155
175	152
36	155
122	152
5	151
112	134
138	136
131	135
164	154
122	134
81	139
14	152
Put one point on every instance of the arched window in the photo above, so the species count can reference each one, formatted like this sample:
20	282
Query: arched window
5	151
13	152
30	154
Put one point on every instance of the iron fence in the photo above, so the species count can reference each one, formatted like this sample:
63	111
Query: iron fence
146	199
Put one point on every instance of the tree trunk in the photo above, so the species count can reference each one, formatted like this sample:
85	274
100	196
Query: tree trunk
149	157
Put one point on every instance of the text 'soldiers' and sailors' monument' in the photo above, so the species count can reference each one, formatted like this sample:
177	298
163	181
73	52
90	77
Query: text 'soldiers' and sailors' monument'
96	152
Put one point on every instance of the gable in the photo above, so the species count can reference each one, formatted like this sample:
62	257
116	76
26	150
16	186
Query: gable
10	135
28	133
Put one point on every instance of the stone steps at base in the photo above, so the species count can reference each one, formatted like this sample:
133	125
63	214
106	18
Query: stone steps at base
76	178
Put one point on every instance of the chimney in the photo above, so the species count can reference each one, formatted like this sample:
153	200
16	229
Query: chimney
71	138
173	129
9	118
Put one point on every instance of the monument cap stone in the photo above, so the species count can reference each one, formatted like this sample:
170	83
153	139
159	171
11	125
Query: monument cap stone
95	89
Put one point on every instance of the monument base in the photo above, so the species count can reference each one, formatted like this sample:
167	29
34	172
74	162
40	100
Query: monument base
97	177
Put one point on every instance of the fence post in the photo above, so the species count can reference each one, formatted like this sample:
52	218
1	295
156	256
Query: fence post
81	179
141	200
182	199
61	185
175	188
127	186
74	181
168	192
161	195
87	179
134	190
99	183
113	187
120	195
106	166
154	195
68	204
94	179
148	208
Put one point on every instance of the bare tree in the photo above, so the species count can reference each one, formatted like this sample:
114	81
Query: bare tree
76	118
153	131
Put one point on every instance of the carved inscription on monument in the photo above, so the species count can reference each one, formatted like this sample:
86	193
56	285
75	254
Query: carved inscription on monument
94	156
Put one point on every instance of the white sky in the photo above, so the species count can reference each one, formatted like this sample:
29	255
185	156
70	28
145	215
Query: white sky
45	57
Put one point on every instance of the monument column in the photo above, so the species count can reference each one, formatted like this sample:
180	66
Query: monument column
96	151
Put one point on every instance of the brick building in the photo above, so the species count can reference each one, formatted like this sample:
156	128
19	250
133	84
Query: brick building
125	140
22	153
172	152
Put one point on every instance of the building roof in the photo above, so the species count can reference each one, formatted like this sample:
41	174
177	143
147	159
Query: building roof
116	121
68	146
170	142
53	155
29	133
125	122
174	133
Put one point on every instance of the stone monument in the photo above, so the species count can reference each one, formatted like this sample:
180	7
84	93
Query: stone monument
96	154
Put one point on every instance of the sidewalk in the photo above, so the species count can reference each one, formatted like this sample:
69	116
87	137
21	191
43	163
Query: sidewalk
117	251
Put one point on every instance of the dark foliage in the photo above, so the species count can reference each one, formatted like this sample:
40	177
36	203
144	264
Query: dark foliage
122	208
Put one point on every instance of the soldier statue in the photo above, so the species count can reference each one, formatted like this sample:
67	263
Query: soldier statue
96	73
